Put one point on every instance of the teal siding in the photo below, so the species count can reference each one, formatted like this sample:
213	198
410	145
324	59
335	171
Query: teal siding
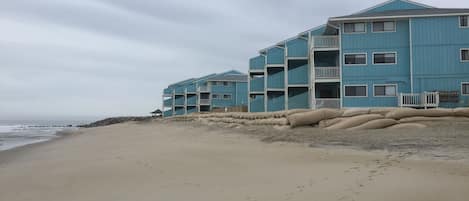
180	111
168	91
257	103
257	84
297	48
192	100
191	88
191	109
436	45
377	74
257	63
276	55
275	78
298	72
298	98
275	101
168	102
168	113
180	90
319	31
241	94
180	100
396	5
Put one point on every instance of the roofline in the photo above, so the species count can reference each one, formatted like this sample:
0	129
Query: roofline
390	1
395	16
216	80
292	38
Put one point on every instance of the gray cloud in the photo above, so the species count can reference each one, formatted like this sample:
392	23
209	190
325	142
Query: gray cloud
113	57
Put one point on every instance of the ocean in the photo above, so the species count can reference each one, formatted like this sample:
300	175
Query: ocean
19	133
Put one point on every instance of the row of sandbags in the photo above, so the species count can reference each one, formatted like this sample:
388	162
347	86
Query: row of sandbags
258	122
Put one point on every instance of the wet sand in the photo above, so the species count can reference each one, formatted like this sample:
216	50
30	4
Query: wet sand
181	161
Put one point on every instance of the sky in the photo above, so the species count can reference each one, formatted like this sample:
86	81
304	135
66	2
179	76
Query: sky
98	58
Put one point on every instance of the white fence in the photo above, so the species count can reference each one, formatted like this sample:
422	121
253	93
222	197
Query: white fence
425	99
327	72
327	103
326	42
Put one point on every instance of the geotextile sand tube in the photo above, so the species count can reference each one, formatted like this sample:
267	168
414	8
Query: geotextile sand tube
375	124
354	121
355	112
408	126
408	112
312	117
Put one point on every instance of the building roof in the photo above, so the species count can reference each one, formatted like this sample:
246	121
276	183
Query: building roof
427	12
230	78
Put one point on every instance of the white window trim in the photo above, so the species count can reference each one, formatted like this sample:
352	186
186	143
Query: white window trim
462	84
366	27
231	97
356	85
395	26
459	22
366	59
460	55
384	85
373	58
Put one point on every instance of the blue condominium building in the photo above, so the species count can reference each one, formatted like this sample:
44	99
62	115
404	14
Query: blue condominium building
215	91
396	54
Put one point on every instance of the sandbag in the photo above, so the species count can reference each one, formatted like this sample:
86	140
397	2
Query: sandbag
355	112
407	126
382	111
329	122
408	112
313	117
461	112
375	124
354	121
296	111
418	119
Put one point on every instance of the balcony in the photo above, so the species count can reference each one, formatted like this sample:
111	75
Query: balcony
425	100
203	88
327	73
168	103
180	101
180	90
257	84
168	91
327	103
204	101
326	42
191	89
192	100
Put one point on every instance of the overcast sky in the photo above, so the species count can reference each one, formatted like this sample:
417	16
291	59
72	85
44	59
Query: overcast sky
63	58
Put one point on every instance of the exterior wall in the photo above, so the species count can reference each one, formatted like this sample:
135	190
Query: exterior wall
192	100
396	5
241	94
371	74
180	100
191	109
275	101
180	111
276	55
275	78
257	63
257	103
437	64
298	98
168	113
297	48
298	72
257	84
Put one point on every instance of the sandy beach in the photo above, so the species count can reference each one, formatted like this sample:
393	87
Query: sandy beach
167	161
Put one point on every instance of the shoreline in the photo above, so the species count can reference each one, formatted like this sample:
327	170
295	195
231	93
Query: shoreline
159	160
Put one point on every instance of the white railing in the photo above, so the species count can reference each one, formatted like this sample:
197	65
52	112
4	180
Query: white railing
204	101
327	72
203	89
327	103
326	42
425	99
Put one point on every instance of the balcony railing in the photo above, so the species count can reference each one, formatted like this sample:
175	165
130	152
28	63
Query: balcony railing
327	72
204	101
203	89
425	99
326	42
327	103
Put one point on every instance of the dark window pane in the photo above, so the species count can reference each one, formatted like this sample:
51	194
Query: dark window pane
355	59
380	90
389	58
464	21
465	89
349	27
465	55
378	26
355	91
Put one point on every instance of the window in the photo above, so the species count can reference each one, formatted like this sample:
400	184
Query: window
465	88
354	28
386	90
384	58
356	91
355	59
464	21
449	96
465	55
389	26
226	83
215	96
227	96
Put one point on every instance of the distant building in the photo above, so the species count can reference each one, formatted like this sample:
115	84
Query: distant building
399	53
211	92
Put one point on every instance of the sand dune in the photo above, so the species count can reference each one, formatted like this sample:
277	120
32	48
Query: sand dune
173	162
